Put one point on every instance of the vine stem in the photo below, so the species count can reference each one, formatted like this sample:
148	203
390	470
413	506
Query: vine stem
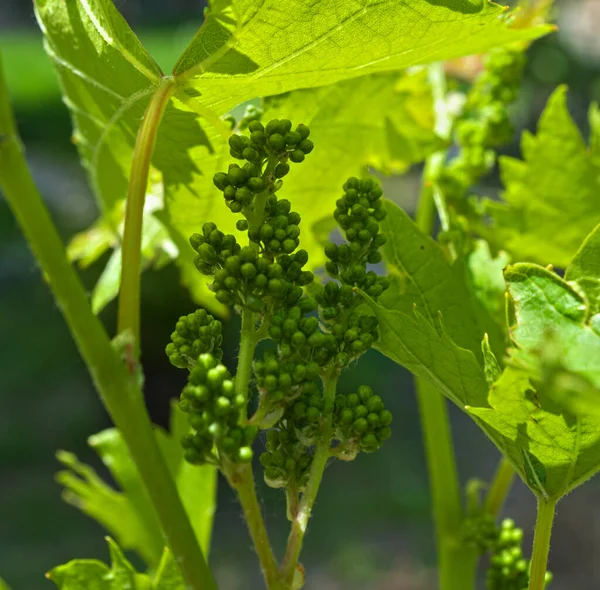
119	390
129	297
501	484
319	462
242	479
541	543
457	564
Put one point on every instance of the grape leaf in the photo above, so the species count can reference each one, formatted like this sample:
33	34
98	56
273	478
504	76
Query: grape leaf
426	350
168	574
129	514
107	77
422	277
552	196
401	106
259	48
84	489
426	319
537	434
584	270
95	575
485	279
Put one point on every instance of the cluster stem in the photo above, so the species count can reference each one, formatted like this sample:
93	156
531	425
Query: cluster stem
242	479
309	496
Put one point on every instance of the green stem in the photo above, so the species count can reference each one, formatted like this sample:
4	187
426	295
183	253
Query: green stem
242	480
319	462
248	342
457	564
118	390
129	298
501	484
243	483
541	543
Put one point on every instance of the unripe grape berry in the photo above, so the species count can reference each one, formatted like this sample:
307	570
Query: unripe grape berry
297	156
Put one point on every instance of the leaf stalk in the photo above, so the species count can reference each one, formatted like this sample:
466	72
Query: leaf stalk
129	297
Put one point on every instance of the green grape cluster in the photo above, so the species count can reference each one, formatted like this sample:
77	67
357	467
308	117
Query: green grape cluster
480	532
509	570
214	410
247	277
279	379
314	336
286	461
267	152
484	125
195	334
361	420
307	413
279	232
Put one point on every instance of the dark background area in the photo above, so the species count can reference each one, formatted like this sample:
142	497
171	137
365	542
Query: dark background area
371	525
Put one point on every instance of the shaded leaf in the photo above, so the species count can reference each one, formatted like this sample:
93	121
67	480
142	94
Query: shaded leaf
129	514
421	276
95	575
429	353
552	196
84	489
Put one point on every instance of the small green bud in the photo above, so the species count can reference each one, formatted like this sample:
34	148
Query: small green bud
281	170
303	130
248	270
297	156
276	142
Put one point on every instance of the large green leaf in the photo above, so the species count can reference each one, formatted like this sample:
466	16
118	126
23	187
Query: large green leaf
552	196
422	277
107	79
553	449
429	323
426	350
243	50
252	48
128	515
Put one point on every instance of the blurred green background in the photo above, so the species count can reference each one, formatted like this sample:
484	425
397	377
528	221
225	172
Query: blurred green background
371	526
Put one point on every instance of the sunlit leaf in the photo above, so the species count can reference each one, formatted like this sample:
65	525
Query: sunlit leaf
422	278
244	50
265	47
428	322
537	434
552	196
